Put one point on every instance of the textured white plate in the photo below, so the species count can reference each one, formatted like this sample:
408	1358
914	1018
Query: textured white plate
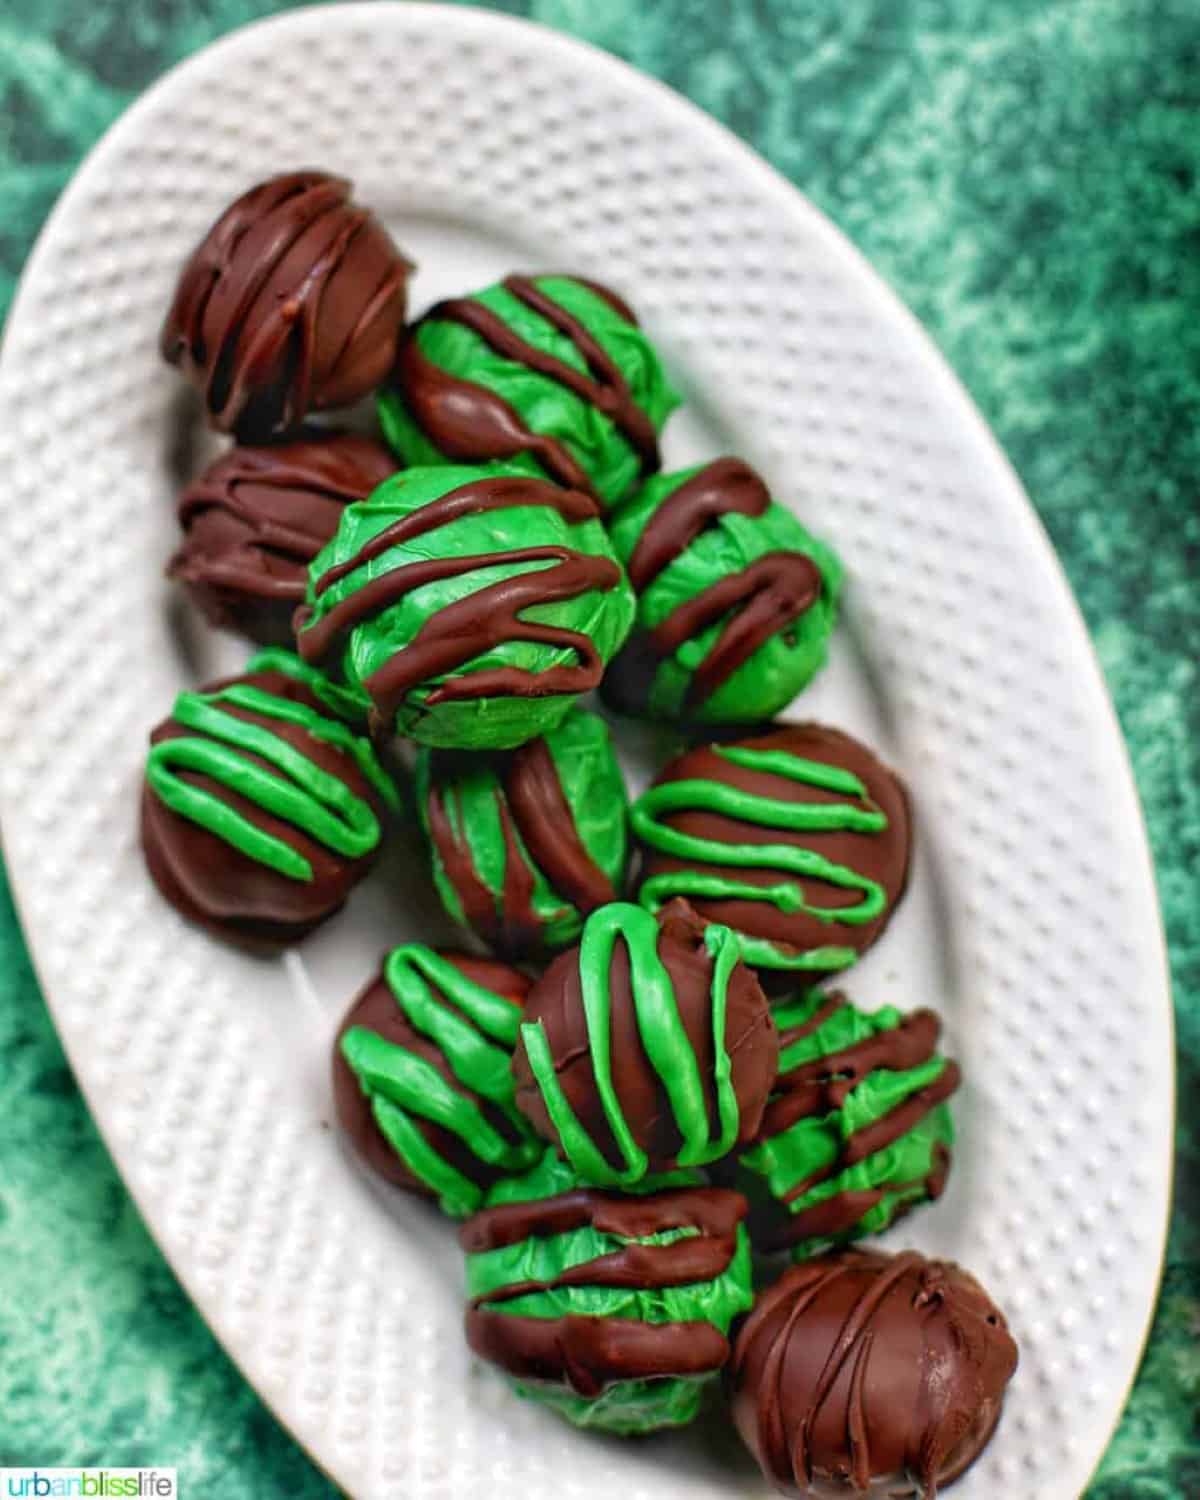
489	144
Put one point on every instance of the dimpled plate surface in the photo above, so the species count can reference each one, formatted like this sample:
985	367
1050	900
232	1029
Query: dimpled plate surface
1032	921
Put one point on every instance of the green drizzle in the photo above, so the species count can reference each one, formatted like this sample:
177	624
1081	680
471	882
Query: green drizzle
334	698
663	1037
475	1034
310	798
706	795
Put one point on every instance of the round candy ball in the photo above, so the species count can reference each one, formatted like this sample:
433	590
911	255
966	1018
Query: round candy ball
257	516
422	1080
467	608
857	1130
292	303
261	808
613	1310
648	1046
551	370
865	1374
797	839
525	844
736	601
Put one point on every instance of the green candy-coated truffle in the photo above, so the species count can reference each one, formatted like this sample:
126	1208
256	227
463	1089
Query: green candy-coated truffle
736	600
550	370
525	844
857	1131
466	607
612	1310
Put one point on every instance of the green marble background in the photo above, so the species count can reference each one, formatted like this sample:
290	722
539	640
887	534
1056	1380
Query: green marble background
1024	172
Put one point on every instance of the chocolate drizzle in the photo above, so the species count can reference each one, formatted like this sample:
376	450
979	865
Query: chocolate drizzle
724	487
293	302
476	624
256	518
538	827
761	600
757	602
589	1353
469	422
871	1375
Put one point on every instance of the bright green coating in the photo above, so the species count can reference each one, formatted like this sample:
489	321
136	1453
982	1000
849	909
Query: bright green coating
630	1406
482	723
811	1145
305	795
691	794
334	698
582	751
785	662
545	406
663	1036
475	1033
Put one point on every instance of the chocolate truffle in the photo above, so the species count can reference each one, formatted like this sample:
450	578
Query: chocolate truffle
422	1080
256	518
613	1310
649	1046
736	601
467	608
292	303
798	840
551	370
526	843
857	1130
870	1375
261	808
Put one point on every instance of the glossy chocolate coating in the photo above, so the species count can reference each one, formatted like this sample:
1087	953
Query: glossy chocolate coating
257	516
219	886
750	1040
881	857
376	1010
862	1374
292	303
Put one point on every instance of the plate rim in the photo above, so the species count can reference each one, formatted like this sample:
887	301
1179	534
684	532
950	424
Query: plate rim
789	199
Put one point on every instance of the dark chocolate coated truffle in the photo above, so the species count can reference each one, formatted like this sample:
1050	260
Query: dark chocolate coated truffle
292	303
648	1046
861	1374
798	839
257	516
261	808
421	1076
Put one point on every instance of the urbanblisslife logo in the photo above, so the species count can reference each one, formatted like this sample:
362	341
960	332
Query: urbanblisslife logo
104	1484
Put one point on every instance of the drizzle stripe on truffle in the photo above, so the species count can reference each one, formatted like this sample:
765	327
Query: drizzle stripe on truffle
475	1031
663	1036
461	631
230	750
851	1085
604	386
859	815
676	1238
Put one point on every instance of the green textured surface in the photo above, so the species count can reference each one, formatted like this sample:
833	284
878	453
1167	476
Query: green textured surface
489	539
814	1143
472	795
628	1406
1024	173
545	406
784	663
